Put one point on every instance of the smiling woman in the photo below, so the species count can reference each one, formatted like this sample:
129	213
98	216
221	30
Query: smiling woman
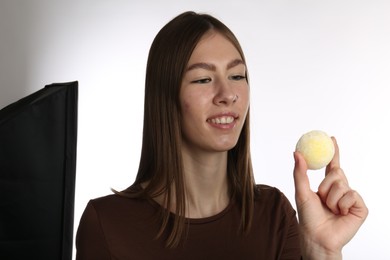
195	196
214	95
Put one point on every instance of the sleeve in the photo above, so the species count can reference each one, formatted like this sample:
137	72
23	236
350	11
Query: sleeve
90	239
291	248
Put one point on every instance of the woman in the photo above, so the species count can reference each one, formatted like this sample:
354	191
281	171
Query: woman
195	196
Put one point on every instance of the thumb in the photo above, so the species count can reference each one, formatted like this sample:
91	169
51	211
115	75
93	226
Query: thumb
301	180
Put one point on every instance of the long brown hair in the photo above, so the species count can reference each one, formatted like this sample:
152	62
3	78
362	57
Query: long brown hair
161	162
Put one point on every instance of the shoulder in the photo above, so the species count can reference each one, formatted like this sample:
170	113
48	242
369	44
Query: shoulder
275	217
272	199
98	210
108	201
106	220
114	204
265	191
112	213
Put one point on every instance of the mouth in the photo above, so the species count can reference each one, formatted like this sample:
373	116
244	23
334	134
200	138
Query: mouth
223	120
227	120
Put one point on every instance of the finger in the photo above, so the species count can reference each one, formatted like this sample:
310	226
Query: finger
335	194
335	162
301	180
353	203
334	176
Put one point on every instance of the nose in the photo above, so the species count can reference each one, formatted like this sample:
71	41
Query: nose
225	94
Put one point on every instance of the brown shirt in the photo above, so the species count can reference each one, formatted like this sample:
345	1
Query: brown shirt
115	227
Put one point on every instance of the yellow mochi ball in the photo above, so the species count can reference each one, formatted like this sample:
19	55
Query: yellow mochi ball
317	148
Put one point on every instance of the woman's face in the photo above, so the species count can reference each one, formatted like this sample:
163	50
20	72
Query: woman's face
214	95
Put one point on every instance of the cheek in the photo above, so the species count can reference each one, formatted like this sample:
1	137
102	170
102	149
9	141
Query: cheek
190	101
187	109
185	106
243	94
245	101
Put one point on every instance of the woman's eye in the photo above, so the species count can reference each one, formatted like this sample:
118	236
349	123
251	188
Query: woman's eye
201	81
237	77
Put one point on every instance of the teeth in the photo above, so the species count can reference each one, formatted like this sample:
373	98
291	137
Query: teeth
222	120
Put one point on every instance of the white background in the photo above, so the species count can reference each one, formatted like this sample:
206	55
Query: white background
313	65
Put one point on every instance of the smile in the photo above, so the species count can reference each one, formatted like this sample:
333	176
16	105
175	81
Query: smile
221	120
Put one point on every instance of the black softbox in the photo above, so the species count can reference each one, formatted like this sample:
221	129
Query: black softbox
37	174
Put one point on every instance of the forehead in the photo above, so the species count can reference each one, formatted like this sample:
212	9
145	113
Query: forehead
213	46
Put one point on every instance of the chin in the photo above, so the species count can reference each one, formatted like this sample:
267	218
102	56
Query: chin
225	146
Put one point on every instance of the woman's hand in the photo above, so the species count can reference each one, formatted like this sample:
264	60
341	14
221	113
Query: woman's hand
329	218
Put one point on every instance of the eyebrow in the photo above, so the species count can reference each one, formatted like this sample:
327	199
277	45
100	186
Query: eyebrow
211	67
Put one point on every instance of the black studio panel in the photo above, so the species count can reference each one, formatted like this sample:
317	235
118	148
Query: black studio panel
38	137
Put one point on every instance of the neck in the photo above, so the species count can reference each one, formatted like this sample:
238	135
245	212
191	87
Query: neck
206	184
